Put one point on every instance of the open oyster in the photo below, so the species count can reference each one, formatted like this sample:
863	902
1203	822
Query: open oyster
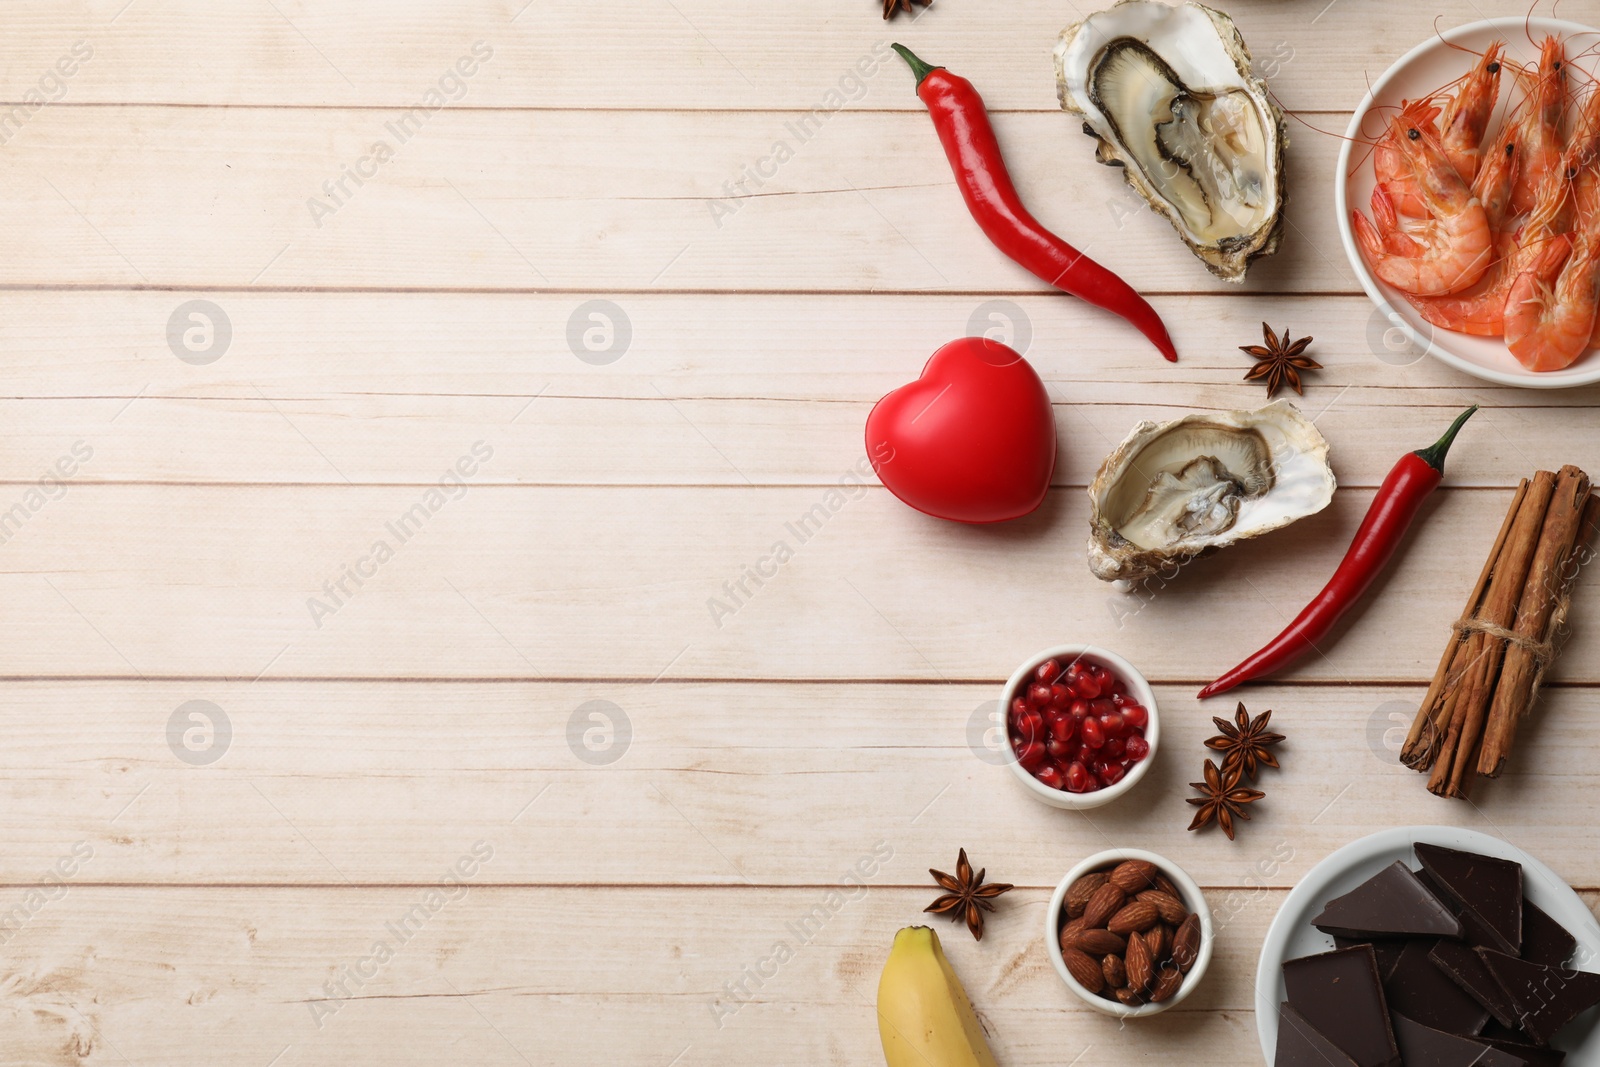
1169	94
1176	490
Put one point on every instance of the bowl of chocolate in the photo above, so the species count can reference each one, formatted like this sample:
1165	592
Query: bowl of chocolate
1129	932
1430	945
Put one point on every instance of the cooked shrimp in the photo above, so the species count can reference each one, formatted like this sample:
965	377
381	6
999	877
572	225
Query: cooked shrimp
1548	326
1394	174
1539	127
1451	244
1465	118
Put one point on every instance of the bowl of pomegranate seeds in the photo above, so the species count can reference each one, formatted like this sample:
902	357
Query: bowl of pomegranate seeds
1082	725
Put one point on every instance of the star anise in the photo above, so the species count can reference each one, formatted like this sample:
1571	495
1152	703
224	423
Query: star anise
965	896
890	7
1244	743
1223	799
1279	363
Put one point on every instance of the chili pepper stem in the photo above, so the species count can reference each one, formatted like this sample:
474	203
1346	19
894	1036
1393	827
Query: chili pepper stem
918	67
1434	454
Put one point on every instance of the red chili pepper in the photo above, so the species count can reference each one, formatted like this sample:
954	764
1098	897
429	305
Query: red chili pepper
1399	498
974	153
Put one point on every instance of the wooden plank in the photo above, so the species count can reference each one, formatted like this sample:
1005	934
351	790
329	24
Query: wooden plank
554	582
522	976
705	54
695	784
130	196
381	386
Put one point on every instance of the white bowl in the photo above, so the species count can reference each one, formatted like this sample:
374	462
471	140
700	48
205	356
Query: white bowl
1193	899
1292	935
1421	71
1137	687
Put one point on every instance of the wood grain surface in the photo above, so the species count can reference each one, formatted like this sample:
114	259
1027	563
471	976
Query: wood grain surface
578	352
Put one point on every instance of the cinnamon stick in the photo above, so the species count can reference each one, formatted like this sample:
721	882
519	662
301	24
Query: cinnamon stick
1427	732
1549	582
1458	753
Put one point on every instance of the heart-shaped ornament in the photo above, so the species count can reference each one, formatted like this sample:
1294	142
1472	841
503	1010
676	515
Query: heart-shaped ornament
972	440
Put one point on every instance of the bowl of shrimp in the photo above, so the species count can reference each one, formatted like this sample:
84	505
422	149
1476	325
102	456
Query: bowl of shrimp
1468	196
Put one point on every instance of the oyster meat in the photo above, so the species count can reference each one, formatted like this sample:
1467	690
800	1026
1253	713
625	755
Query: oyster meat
1176	490
1169	94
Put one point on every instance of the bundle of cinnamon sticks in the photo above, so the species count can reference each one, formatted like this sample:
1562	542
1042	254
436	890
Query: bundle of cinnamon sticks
1500	648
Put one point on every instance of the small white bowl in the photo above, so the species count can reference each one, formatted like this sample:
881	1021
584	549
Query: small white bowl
1137	686
1439	60
1193	899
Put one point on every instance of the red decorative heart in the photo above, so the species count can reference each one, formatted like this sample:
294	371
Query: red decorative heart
972	440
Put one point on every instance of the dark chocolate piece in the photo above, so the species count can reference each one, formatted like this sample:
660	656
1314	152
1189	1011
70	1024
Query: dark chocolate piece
1392	903
1341	995
1423	1046
1546	998
1493	1031
1489	888
1532	1055
1473	929
1302	1045
1543	939
1421	991
1466	969
1387	950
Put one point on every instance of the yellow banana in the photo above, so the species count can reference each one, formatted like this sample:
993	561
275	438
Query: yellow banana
924	1016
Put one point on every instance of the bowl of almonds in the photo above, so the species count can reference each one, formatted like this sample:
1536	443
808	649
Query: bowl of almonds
1129	932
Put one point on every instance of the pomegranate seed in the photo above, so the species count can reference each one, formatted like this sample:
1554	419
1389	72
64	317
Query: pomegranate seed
1093	735
1113	725
1086	687
1060	696
1062	727
1019	707
1078	780
1039	695
1112	774
1051	776
1078	709
1031	755
1136	716
1048	671
1137	748
1057	749
1030	726
1113	749
1102	677
1102	707
1119	688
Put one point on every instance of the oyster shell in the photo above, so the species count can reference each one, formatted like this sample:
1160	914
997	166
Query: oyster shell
1176	490
1169	94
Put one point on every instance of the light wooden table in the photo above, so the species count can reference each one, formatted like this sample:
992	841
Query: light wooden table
629	864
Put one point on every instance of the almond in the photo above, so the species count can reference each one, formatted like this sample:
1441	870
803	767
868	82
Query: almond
1071	932
1079	892
1159	942
1130	998
1164	884
1141	969
1101	943
1085	971
1167	983
1171	908
1115	970
1186	943
1130	876
1104	904
1134	918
